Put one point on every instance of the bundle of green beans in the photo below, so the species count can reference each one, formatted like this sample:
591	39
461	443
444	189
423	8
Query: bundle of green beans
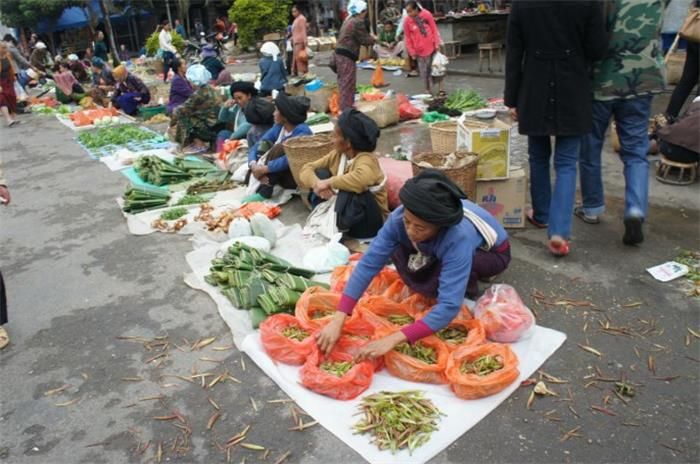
483	365
454	335
400	319
398	420
419	351
337	368
295	333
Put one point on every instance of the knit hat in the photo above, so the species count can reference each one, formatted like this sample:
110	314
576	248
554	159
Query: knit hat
120	72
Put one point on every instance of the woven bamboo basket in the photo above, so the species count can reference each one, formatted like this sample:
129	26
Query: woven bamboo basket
463	176
443	134
302	150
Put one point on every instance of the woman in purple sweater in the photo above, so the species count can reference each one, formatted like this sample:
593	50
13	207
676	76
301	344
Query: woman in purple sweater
180	87
441	245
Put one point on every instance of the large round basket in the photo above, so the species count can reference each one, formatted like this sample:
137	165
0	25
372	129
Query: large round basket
302	150
464	176
443	136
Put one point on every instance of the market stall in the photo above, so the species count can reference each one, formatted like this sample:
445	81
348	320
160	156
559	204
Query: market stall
472	29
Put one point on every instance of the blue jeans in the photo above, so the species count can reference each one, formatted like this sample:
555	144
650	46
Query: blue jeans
168	58
553	207
632	121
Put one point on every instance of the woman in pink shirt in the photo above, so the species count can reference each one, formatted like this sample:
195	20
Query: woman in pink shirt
300	60
422	39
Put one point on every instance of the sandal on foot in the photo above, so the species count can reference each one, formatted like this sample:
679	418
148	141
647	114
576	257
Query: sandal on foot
588	219
4	338
558	247
531	219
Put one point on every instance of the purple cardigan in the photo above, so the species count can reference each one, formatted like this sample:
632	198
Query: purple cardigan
180	91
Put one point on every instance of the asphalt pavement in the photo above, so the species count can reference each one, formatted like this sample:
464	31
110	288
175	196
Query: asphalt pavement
92	308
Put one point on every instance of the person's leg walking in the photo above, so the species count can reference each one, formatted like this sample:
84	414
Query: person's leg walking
591	176
539	151
347	78
632	119
689	79
561	208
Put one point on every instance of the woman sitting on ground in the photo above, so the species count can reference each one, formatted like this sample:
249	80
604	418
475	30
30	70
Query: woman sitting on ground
260	113
77	68
267	161
680	141
130	92
103	82
232	113
273	75
68	89
195	122
441	245
180	87
352	173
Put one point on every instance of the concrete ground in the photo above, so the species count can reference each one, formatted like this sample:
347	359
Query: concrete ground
72	391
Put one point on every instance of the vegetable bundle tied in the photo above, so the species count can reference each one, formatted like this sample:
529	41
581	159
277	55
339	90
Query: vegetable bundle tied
212	182
419	351
465	100
398	420
278	299
138	199
157	171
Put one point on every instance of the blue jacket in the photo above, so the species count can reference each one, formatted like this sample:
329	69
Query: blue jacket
274	75
280	164
454	248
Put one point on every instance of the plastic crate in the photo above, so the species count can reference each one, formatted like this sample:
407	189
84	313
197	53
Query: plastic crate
147	112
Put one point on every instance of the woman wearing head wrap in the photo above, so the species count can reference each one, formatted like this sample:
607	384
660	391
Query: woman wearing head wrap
352	173
440	243
273	75
353	34
39	59
130	92
232	113
196	122
102	82
77	68
260	113
68	89
267	161
180	87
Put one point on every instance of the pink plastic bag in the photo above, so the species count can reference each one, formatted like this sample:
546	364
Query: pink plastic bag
397	173
503	314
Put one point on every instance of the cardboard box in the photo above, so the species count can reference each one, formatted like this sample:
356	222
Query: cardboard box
505	199
492	144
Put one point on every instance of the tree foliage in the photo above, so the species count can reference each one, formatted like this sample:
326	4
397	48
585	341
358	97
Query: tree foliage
152	43
29	13
256	18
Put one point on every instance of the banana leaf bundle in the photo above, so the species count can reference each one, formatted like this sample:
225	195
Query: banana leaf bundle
278	299
297	283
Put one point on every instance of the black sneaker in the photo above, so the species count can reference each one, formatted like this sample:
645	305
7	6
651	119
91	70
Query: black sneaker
633	231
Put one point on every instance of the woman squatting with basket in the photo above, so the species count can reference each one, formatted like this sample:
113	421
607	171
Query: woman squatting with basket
352	174
441	245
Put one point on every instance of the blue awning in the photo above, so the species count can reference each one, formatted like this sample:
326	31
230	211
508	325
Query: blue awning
77	17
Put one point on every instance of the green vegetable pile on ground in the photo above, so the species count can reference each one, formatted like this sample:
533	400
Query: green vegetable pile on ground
212	183
398	420
118	135
258	281
191	200
157	171
419	351
172	214
465	100
138	199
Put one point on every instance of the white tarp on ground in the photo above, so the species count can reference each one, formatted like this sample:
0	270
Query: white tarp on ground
66	121
338	416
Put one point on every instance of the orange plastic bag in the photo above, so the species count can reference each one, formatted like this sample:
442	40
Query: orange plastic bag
334	103
249	209
283	349
380	283
409	368
316	307
504	315
381	312
349	386
397	291
340	277
378	77
474	386
475	333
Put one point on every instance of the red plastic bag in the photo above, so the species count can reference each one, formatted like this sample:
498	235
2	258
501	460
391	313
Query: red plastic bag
409	368
283	349
505	317
249	209
349	386
407	112
352	344
473	386
475	334
316	308
397	173
381	312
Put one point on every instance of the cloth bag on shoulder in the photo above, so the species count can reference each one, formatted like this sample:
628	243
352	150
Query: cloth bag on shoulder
690	30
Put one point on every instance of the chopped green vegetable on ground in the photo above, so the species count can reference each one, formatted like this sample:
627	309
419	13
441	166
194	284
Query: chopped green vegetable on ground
172	214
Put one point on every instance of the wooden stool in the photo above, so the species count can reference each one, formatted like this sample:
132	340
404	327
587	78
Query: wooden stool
452	49
685	173
490	47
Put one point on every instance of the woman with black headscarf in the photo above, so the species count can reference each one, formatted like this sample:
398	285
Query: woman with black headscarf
352	173
441	244
267	161
232	113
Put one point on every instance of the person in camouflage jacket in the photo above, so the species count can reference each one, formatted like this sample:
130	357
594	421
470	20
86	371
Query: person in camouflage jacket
624	82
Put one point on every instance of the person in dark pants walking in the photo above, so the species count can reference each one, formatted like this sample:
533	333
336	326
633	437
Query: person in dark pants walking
4	337
550	48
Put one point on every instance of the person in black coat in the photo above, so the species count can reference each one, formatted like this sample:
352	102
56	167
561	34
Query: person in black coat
549	50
